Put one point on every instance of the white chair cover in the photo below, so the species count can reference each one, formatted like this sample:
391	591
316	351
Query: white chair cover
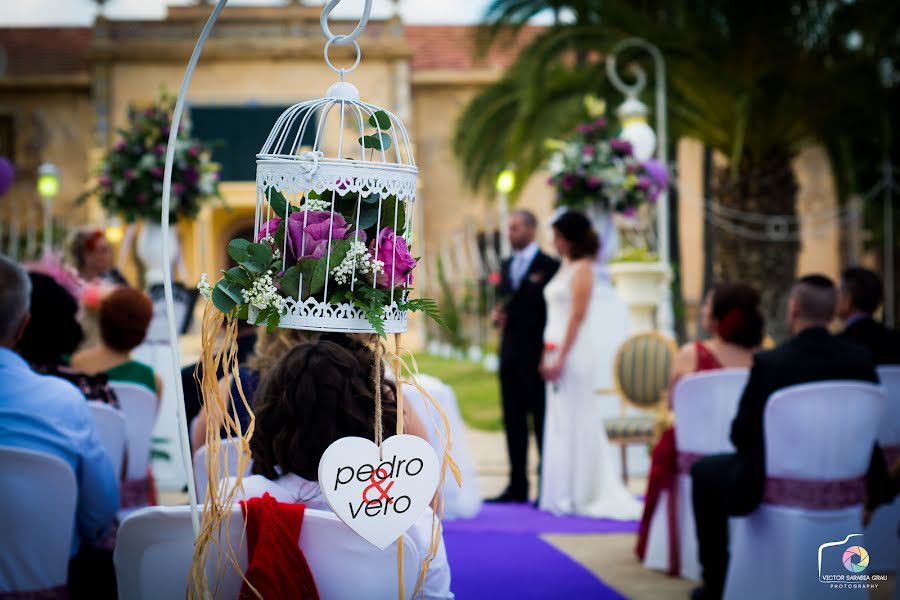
704	404
813	432
882	536
228	458
112	431
37	520
155	546
138	404
459	502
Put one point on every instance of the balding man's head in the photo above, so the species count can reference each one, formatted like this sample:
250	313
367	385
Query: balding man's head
15	298
812	303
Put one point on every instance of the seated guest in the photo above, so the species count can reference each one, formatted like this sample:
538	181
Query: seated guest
270	348
124	318
93	257
47	414
861	295
733	484
192	375
731	313
314	395
53	334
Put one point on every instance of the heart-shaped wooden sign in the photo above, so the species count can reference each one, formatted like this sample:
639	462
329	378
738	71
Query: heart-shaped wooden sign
379	496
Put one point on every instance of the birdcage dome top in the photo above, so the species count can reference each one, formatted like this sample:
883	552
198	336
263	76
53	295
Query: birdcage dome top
318	145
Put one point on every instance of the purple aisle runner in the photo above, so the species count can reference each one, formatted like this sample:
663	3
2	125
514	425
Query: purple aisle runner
517	566
525	518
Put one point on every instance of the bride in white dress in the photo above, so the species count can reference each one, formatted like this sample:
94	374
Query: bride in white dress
580	473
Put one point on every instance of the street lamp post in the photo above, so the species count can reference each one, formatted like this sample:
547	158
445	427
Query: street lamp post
48	189
633	114
506	183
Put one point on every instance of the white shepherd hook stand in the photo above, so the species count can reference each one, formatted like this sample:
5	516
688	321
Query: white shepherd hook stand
164	220
665	316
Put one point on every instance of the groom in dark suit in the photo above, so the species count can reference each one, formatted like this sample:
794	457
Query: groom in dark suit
733	484
522	314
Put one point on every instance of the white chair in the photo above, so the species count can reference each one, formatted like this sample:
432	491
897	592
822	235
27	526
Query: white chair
460	502
112	431
228	457
704	405
37	520
139	406
155	546
882	536
814	434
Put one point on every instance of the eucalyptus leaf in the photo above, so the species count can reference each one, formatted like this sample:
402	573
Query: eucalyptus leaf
237	250
290	282
380	119
223	299
307	268
239	276
258	258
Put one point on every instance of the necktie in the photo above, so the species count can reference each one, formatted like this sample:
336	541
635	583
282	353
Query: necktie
517	269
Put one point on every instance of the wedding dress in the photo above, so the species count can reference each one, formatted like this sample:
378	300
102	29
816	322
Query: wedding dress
580	472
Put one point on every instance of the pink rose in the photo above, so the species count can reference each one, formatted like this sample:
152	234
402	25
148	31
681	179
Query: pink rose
398	263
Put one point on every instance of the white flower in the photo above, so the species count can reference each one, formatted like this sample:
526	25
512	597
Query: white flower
317	205
203	287
357	262
263	293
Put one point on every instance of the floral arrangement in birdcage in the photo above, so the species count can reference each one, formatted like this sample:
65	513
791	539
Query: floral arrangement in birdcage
596	166
346	247
130	177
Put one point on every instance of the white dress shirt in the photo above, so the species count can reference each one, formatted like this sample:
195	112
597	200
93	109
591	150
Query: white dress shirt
521	261
292	488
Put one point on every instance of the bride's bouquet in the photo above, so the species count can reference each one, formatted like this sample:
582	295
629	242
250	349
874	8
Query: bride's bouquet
595	166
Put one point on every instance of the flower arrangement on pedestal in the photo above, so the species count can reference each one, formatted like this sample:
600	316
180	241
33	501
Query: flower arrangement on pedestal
596	167
342	248
130	177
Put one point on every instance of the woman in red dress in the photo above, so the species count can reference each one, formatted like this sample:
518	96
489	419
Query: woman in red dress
730	311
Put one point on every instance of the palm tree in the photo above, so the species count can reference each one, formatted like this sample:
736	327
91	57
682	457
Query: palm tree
754	81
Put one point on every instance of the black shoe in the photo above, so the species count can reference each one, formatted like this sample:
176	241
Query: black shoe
704	593
510	495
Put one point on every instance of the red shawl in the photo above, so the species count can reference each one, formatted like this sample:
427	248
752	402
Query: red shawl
277	567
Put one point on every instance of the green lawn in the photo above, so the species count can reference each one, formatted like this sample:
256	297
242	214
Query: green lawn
477	390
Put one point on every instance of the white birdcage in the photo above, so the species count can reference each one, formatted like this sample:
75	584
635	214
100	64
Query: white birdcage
345	166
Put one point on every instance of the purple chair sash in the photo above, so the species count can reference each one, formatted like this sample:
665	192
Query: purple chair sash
891	454
815	494
686	460
57	593
134	493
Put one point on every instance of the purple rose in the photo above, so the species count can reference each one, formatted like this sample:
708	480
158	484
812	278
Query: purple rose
105	181
195	151
620	146
141	198
644	182
191	176
568	182
178	189
160	149
587	151
311	240
600	122
659	178
584	128
398	263
593	182
120	146
157	172
629	211
129	174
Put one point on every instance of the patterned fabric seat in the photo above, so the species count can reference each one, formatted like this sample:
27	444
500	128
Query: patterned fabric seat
641	373
642	426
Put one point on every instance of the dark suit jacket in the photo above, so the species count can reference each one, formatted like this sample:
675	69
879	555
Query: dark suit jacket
884	343
810	356
526	312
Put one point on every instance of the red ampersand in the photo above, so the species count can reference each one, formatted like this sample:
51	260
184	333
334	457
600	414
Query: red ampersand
377	485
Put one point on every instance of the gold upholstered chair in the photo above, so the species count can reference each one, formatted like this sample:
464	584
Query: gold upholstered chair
641	375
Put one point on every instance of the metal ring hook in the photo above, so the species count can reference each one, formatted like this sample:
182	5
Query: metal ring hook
351	37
